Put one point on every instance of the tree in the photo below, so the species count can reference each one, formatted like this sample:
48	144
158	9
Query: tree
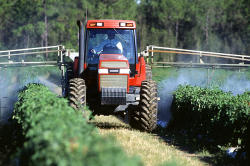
212	25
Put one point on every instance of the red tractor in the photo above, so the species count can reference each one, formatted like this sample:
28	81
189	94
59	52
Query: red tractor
109	76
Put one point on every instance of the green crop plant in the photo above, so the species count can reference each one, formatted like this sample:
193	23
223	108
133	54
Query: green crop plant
56	134
212	113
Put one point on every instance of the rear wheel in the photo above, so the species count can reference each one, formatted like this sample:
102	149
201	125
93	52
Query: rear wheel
69	74
144	116
77	93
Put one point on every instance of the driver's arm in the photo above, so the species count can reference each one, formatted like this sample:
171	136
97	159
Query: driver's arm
118	44
97	49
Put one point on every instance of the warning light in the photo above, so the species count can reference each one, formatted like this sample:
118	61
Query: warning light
122	24
97	24
92	24
129	24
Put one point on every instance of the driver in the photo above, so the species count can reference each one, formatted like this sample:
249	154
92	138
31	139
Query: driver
111	41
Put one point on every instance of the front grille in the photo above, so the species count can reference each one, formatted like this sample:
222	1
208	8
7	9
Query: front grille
113	96
113	81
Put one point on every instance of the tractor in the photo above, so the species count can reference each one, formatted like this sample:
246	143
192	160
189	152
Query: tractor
110	76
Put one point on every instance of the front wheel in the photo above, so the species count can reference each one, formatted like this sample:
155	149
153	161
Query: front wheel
77	93
144	116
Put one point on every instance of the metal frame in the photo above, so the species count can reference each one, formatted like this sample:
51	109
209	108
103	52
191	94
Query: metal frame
151	49
59	49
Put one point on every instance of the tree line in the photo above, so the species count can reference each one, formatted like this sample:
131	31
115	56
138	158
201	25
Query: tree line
210	25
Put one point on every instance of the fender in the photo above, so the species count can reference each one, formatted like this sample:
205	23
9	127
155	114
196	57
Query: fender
141	75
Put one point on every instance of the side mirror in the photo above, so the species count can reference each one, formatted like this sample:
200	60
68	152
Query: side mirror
143	53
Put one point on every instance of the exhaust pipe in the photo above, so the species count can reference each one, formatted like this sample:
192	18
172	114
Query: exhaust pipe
81	48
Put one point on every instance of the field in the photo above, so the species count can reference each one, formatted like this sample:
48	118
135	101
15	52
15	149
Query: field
162	147
151	148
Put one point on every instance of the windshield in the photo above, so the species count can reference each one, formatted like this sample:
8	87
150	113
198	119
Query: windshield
110	41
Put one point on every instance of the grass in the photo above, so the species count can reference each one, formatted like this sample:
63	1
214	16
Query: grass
207	152
164	146
10	140
160	74
151	148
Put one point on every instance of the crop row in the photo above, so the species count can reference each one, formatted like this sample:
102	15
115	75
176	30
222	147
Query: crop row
55	134
213	114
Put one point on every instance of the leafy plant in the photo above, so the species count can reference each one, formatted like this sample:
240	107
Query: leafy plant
57	135
216	115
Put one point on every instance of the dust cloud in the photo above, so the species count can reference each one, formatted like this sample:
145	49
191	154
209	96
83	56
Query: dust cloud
12	80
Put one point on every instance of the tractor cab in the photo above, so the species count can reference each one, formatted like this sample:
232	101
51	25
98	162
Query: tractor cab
103	40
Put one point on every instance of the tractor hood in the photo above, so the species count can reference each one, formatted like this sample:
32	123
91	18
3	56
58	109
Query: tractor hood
110	61
112	57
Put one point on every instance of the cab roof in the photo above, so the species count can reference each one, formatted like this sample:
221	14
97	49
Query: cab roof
119	24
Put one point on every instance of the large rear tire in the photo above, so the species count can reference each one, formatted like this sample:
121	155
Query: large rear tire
69	74
144	116
77	93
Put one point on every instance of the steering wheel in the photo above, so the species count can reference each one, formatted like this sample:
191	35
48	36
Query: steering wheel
93	56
